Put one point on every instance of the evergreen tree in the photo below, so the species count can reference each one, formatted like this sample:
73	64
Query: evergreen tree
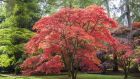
15	31
23	15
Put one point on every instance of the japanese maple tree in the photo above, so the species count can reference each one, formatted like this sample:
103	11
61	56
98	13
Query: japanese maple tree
69	39
125	54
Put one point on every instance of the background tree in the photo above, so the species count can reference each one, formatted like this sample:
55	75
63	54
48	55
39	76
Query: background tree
51	6
24	14
125	56
129	11
15	30
134	7
9	7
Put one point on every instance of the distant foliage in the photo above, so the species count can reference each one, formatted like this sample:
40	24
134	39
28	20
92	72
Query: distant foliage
51	6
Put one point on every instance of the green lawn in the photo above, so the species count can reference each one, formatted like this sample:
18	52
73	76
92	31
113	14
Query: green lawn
80	76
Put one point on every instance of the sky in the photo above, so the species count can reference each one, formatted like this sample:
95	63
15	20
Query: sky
115	10
114	7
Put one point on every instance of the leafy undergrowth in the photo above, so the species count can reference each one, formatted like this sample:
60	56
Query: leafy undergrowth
81	76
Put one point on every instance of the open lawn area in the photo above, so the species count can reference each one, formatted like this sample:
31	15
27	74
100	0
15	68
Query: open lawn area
80	76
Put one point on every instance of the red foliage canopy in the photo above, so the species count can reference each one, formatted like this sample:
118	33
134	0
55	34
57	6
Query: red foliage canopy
69	38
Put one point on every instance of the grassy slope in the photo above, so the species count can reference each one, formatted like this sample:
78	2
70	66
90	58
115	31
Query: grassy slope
81	76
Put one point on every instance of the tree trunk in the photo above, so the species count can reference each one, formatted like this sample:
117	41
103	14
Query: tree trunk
125	72
115	61
107	5
72	75
126	75
128	14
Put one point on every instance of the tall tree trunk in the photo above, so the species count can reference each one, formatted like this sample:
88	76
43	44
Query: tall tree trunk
128	14
107	6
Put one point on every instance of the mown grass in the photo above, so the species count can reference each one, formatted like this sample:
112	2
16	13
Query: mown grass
80	76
